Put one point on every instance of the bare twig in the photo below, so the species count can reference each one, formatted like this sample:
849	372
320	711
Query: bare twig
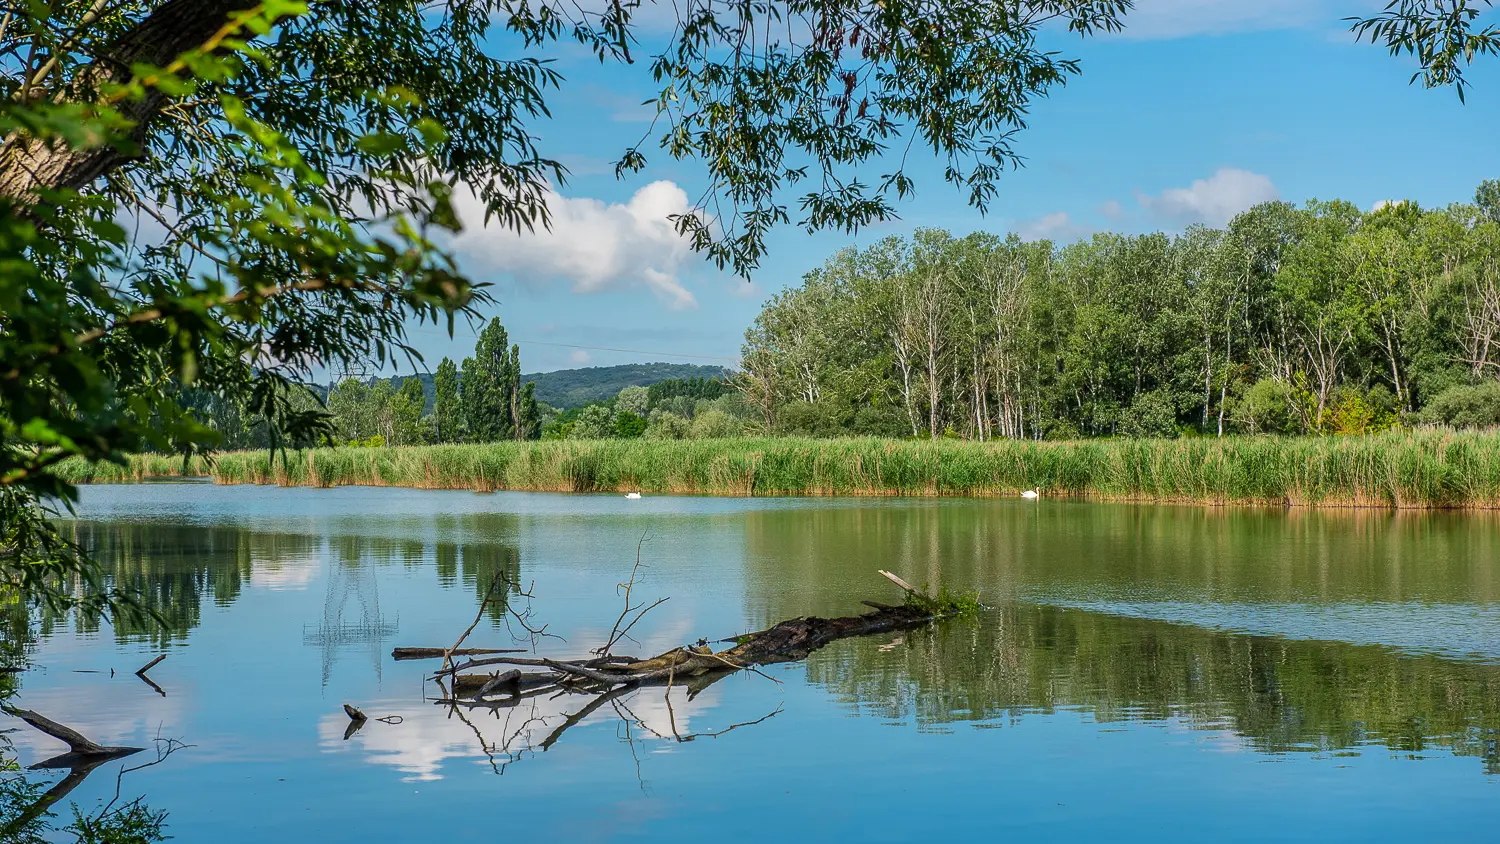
141	672
523	618
899	582
616	633
165	747
488	594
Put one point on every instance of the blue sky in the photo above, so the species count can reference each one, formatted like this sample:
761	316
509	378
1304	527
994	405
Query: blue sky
1201	109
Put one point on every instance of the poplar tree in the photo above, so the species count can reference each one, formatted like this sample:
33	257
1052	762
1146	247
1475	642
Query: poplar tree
447	413
488	386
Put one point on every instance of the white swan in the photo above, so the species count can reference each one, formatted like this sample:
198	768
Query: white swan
632	495
1031	493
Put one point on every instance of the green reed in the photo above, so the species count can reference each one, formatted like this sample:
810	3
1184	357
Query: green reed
1421	469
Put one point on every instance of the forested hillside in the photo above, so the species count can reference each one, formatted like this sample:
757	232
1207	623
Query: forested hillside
569	388
1319	319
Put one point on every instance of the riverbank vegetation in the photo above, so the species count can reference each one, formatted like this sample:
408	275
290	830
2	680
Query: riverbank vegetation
1321	319
1404	469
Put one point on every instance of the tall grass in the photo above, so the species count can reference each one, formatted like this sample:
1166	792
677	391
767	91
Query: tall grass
1411	469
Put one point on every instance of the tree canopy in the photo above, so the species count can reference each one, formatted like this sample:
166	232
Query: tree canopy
1320	319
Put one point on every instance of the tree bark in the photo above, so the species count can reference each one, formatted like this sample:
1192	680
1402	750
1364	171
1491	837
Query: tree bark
28	165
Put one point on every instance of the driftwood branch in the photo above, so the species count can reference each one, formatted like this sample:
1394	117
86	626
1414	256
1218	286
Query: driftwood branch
899	582
787	641
76	741
400	654
488	595
608	678
80	748
141	672
511	678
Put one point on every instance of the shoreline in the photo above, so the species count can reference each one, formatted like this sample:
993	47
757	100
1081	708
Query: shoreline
1411	470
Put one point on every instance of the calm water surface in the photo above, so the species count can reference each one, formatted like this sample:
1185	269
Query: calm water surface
1146	673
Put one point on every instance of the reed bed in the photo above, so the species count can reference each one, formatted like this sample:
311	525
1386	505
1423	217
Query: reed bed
1408	469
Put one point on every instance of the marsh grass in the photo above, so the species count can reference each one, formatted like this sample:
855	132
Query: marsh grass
1407	469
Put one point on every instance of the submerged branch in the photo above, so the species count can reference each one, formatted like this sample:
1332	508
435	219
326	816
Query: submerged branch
787	641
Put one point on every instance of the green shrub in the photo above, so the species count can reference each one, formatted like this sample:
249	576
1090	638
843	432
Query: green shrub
628	426
881	422
716	424
1152	414
595	422
667	426
1465	407
1268	407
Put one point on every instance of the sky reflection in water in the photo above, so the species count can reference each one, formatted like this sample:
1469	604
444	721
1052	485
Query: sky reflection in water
1147	673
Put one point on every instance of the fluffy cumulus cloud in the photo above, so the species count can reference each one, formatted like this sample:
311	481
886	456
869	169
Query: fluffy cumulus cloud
592	244
1214	200
1059	225
1155	19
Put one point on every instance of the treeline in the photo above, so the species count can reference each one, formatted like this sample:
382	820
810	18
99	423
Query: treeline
674	409
484	402
570	388
1320	319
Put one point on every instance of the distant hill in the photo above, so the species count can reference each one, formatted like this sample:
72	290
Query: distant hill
568	388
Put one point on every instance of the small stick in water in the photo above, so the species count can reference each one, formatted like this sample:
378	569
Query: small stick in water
148	666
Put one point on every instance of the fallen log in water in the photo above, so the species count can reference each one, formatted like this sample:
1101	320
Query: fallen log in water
784	642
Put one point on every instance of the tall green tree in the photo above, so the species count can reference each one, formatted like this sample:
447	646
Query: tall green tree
405	410
447	412
512	394
529	426
487	387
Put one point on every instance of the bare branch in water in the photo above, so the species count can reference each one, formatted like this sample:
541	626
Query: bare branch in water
616	633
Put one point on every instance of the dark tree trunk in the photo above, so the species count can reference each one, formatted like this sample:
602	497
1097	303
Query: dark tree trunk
175	27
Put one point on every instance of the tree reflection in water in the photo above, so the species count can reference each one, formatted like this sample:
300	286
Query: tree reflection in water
175	569
26	803
1279	695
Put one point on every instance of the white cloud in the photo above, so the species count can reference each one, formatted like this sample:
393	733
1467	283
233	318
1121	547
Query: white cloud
1160	19
1111	209
1058	225
286	575
428	740
741	288
579	356
593	244
1214	200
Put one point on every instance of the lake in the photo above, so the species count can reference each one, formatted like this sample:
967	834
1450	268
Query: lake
1142	672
